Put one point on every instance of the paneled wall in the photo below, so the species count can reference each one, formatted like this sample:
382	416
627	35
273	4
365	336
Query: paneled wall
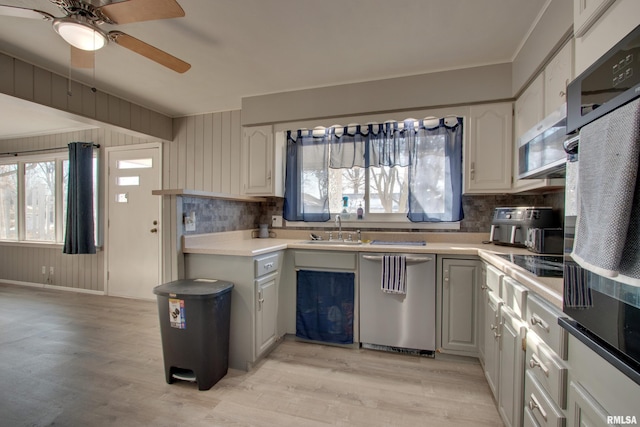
51	91
205	154
23	262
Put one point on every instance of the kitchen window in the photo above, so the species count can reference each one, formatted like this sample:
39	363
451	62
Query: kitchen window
33	198
403	172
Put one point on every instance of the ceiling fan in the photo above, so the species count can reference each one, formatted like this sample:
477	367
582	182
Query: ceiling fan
81	27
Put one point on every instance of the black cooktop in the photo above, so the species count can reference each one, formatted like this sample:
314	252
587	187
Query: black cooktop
539	265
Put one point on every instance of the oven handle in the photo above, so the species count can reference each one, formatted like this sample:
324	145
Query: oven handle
410	260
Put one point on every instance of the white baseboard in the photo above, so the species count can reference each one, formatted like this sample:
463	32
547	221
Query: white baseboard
46	286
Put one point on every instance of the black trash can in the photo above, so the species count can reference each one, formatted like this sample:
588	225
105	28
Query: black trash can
194	324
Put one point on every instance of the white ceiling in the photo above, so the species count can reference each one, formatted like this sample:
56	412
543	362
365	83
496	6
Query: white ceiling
240	48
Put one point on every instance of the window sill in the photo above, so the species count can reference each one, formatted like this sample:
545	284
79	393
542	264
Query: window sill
377	224
34	244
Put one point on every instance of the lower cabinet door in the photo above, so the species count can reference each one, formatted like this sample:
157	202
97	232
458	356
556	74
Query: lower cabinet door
266	312
512	355
584	410
529	419
492	340
459	305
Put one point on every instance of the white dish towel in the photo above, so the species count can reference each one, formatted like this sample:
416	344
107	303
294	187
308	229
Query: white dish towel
394	274
607	240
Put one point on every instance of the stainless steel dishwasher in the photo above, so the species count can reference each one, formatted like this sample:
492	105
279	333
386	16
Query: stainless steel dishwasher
405	321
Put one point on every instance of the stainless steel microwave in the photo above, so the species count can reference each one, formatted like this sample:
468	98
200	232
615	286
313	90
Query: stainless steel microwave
612	81
540	150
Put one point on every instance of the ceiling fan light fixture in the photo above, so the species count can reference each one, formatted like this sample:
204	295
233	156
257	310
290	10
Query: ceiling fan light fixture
79	34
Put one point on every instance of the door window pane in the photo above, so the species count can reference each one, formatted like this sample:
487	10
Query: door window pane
135	164
40	220
128	180
8	202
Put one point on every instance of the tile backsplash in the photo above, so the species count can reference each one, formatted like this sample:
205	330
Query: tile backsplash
215	215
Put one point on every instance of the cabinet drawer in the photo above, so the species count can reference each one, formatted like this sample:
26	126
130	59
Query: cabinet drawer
326	260
545	412
494	277
529	419
548	369
514	295
265	265
543	320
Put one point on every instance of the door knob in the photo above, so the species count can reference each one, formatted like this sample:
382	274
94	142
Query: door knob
154	230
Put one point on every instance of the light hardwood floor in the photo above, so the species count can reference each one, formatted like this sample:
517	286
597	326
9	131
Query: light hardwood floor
69	359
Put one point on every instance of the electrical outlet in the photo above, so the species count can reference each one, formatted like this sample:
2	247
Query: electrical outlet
51	271
276	220
44	270
190	222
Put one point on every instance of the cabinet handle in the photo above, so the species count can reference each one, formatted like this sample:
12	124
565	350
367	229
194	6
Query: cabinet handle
496	335
493	327
484	287
535	363
260	299
535	320
561	94
534	404
472	171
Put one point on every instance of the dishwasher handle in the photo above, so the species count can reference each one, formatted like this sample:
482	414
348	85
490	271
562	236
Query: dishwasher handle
410	259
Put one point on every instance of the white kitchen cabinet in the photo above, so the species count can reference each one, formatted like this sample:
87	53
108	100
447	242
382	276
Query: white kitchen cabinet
529	107
492	340
481	309
266	312
584	410
597	389
459	326
546	93
254	323
263	157
511	378
586	13
488	153
557	75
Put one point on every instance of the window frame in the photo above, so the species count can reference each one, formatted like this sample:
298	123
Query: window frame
58	158
392	221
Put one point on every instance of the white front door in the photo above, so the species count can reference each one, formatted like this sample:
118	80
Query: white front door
133	221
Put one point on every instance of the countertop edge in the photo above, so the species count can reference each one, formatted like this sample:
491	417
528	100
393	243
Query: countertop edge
549	289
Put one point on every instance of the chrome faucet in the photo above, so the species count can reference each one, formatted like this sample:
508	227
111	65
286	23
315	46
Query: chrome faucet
339	225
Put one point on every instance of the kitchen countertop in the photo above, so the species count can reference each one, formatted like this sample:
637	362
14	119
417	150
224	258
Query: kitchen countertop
241	243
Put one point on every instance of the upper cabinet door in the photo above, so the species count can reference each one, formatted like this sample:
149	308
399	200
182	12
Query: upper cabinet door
262	162
557	75
586	13
529	109
258	152
488	149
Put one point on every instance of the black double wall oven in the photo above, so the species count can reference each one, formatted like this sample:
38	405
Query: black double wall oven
603	313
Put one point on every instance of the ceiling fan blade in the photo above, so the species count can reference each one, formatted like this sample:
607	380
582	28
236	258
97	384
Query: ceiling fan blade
148	51
82	58
22	12
129	11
